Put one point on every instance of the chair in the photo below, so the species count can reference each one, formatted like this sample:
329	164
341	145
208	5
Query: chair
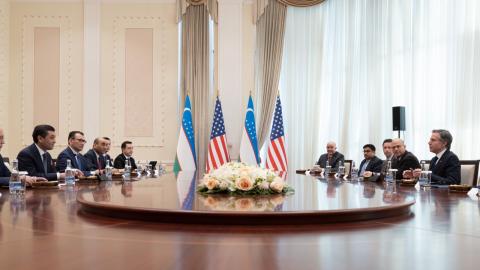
427	164
468	171
6	160
348	166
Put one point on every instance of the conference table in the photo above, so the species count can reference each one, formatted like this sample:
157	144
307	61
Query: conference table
55	229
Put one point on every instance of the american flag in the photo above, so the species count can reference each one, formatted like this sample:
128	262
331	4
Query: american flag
217	149
276	156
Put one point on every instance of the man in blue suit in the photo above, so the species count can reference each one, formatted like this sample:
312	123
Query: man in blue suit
5	172
445	166
371	163
76	141
96	156
35	159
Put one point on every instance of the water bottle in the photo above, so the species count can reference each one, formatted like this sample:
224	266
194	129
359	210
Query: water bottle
108	171
328	168
15	185
127	170
422	179
341	169
354	176
69	174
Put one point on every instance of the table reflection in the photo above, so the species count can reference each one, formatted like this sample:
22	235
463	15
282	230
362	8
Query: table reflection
178	192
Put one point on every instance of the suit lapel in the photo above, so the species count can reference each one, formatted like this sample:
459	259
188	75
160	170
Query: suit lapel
38	158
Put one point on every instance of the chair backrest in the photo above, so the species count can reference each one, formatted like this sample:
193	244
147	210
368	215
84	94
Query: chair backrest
348	166
469	172
427	163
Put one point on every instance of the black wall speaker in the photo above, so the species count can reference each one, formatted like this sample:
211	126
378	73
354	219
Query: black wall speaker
398	118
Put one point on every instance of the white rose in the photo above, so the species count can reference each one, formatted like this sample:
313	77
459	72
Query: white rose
224	185
277	186
244	183
264	185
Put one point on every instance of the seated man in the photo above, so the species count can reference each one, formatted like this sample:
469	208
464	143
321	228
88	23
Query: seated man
388	152
371	163
334	158
76	141
95	156
127	151
5	172
404	161
106	155
35	159
445	166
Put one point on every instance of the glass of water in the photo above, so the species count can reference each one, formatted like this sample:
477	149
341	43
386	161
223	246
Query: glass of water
425	178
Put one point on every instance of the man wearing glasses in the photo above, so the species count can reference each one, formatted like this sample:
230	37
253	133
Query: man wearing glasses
76	142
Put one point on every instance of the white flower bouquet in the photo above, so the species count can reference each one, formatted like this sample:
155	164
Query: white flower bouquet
239	178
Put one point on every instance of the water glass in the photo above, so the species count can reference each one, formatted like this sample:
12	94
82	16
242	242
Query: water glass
425	178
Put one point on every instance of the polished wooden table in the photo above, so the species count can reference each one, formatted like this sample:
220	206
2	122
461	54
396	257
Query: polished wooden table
48	230
176	201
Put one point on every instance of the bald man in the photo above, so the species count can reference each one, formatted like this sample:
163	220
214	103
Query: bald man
404	160
334	158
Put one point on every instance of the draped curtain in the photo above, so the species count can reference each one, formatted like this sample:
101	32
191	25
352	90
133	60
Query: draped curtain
268	59
346	63
195	77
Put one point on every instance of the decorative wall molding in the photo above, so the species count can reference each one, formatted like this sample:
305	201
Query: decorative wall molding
29	22
120	23
3	66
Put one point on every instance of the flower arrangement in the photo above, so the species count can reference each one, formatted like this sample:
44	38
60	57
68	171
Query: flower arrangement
239	178
242	203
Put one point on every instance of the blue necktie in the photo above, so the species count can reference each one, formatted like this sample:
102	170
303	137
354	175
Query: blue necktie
45	165
79	166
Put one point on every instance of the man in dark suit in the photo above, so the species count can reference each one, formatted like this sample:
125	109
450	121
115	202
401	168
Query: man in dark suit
127	151
388	152
334	158
5	172
76	141
371	163
404	161
106	155
35	159
95	156
445	166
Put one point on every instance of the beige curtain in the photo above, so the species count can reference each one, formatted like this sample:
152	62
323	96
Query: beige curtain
195	75
268	60
212	7
260	5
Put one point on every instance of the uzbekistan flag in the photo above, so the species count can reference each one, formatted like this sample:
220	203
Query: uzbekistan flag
249	145
186	157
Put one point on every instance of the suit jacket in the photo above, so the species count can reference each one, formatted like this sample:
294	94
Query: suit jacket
405	162
4	173
61	165
336	158
29	160
119	162
91	158
375	165
447	170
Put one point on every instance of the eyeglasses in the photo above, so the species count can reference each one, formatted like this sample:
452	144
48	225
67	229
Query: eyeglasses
81	140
